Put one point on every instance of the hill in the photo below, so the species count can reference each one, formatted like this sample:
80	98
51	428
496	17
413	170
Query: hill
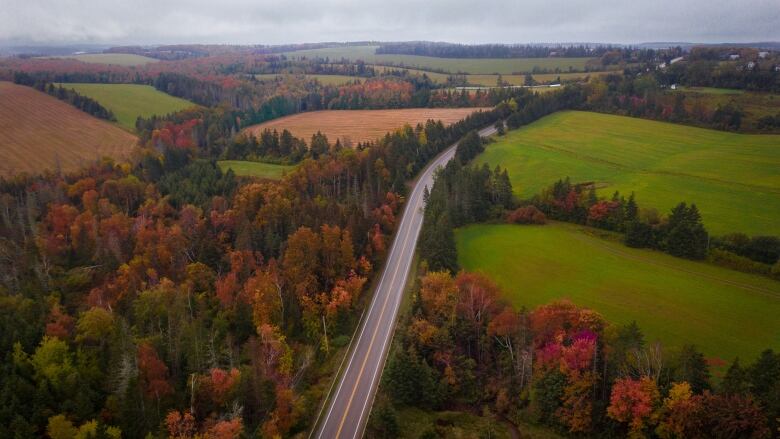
39	132
724	312
129	101
732	178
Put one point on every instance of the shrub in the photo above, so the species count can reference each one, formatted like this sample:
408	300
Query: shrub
526	215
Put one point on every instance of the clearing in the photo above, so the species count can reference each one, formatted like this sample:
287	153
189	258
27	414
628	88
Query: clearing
732	178
120	59
453	65
724	312
243	168
354	126
39	132
334	80
129	101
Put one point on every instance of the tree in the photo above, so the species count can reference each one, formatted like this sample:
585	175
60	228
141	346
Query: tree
686	236
61	428
153	373
634	402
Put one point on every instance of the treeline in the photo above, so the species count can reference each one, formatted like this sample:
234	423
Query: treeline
565	367
450	50
69	95
759	75
681	233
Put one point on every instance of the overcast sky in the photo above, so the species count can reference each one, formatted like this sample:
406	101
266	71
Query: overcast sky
465	21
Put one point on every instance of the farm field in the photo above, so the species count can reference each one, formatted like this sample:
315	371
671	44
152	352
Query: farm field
120	59
676	301
732	178
491	80
128	101
255	169
711	90
359	125
452	65
323	79
39	132
755	105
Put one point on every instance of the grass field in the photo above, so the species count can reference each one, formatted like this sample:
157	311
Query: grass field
491	80
353	126
452	65
711	90
39	132
732	178
724	312
755	105
128	101
255	169
323	79
120	59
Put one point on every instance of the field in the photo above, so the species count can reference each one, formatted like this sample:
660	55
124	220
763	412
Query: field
120	59
353	126
335	80
128	101
491	80
39	132
452	65
724	312
711	90
732	178
755	105
255	169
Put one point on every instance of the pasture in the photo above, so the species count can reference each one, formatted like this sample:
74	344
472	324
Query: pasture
120	59
354	126
334	80
128	101
39	132
243	168
492	80
675	301
452	65
732	178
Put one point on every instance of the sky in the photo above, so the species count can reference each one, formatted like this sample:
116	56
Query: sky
460	21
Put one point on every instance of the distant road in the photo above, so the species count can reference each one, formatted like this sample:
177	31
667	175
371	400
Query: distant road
350	405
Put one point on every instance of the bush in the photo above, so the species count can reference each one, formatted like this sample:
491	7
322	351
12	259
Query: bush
740	263
526	215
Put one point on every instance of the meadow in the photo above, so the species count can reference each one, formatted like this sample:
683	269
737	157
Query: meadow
128	101
732	178
452	65
39	132
353	126
120	59
723	312
491	80
243	168
335	80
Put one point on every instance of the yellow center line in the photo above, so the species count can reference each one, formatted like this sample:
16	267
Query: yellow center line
373	336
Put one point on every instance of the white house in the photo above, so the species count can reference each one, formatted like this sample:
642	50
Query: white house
763	54
734	57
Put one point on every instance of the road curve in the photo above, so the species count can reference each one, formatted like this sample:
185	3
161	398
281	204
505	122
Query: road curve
350	405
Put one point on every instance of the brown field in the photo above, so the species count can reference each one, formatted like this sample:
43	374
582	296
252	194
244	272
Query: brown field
39	132
353	126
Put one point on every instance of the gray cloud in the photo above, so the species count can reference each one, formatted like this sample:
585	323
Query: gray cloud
280	21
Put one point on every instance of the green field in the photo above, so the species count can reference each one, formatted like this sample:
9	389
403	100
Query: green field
128	101
711	90
676	301
323	79
734	179
120	59
491	80
452	65
255	169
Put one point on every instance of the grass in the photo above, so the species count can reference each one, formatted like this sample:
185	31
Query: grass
353	126
128	101
724	312
255	169
39	132
732	178
335	80
120	59
413	422
452	65
711	90
491	80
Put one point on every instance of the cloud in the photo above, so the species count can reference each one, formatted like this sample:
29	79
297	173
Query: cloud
280	21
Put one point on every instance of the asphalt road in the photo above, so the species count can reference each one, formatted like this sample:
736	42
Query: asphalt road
350	405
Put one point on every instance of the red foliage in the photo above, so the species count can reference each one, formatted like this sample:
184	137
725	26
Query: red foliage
180	425
153	373
526	215
60	324
633	402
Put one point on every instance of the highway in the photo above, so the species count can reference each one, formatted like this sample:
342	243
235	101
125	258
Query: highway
350	405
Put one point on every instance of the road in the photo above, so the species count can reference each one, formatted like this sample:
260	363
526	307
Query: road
350	405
